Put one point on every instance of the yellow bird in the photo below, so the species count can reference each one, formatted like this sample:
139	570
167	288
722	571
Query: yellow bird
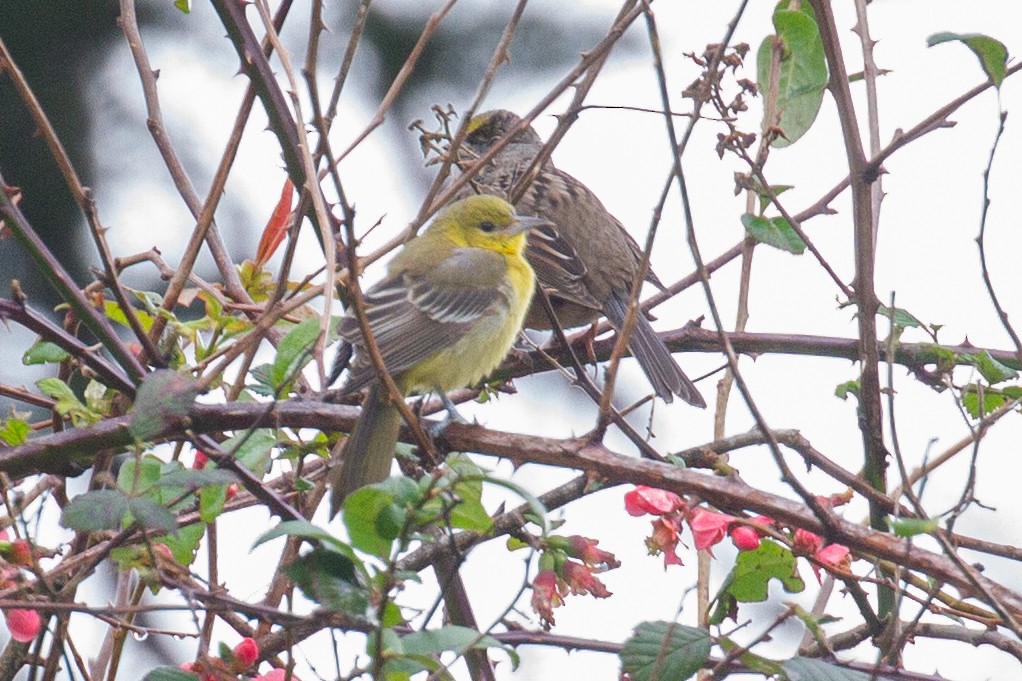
445	315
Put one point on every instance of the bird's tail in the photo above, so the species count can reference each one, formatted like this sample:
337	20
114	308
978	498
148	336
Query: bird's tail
656	360
369	450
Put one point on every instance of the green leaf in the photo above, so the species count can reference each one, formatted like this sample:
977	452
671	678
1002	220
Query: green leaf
183	5
909	527
44	352
753	662
992	400
332	580
664	651
992	54
68	403
305	530
774	232
802	75
749	579
901	318
814	625
139	475
253	449
453	638
151	515
193	480
293	353
163	402
15	431
170	674
211	502
372	520
989	368
103	509
115	313
184	543
810	669
847	388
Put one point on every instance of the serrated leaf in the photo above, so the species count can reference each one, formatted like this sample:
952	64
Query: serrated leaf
103	509
847	388
664	651
774	232
991	401
68	403
115	313
252	449
184	543
749	579
193	480
802	73
137	476
163	402
901	318
989	368
151	515
992	54
294	352
15	431
44	352
810	669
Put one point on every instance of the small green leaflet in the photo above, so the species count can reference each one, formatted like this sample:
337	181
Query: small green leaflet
774	232
992	54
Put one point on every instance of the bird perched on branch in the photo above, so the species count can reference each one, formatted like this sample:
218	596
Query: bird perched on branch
585	260
444	316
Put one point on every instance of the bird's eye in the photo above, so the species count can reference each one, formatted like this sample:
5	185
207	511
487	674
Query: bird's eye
487	226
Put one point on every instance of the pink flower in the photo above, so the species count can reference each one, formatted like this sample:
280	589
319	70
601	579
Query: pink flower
545	597
246	653
200	460
835	556
665	538
708	528
581	581
24	625
643	500
585	550
745	538
805	543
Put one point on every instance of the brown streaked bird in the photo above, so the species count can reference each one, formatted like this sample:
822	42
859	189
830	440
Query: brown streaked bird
586	261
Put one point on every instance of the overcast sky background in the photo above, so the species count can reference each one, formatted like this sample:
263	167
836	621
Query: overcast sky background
927	255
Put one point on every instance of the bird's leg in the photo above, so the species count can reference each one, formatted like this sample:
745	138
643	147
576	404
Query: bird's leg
587	339
453	416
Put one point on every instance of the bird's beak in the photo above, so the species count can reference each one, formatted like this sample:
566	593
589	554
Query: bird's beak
524	223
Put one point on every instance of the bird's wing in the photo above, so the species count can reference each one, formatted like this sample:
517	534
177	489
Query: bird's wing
558	266
414	315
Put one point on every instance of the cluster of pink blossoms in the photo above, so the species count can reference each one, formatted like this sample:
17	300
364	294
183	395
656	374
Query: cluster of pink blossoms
559	575
709	528
23	624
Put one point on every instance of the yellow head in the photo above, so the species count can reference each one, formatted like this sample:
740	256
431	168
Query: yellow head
484	221
488	127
